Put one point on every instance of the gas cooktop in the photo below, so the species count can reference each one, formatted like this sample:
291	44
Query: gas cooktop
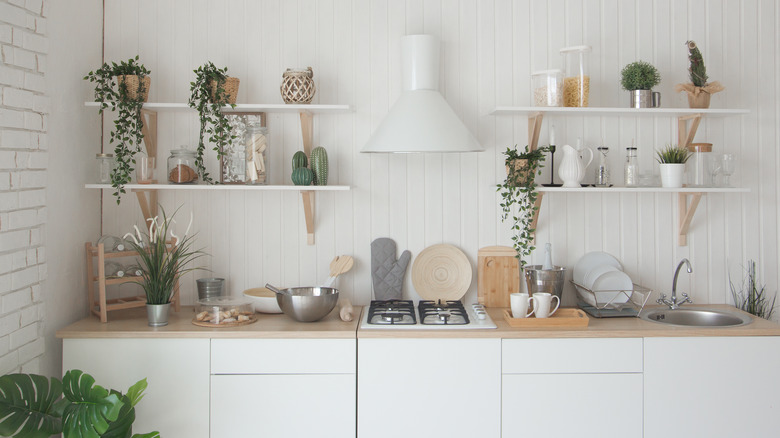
427	315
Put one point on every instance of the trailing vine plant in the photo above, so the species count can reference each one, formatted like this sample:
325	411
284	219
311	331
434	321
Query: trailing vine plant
519	195
214	125
126	135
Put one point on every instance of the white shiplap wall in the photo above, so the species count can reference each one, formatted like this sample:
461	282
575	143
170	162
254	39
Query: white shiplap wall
489	50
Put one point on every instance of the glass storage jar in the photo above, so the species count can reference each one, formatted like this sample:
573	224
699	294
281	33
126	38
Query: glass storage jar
698	165
181	167
576	81
631	168
105	164
223	311
547	88
256	140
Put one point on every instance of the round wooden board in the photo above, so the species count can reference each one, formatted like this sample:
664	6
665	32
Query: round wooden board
441	272
252	318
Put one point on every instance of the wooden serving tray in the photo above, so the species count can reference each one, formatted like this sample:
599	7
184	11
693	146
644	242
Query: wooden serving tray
564	318
252	318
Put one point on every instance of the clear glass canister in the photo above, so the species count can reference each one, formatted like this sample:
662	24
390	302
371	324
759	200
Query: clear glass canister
631	169
576	81
181	167
256	141
547	88
105	164
698	165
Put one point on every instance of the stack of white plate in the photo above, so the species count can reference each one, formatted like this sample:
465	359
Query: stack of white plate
602	274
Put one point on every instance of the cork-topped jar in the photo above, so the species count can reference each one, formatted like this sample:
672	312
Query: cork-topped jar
181	167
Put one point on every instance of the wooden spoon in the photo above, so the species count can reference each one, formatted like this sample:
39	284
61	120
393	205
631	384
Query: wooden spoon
338	266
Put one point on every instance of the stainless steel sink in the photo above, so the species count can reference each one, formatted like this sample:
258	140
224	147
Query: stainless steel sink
696	317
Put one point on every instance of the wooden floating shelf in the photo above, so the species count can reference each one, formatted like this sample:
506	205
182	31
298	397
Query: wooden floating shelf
642	189
606	111
222	187
246	107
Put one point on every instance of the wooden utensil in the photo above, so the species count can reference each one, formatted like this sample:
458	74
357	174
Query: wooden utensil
498	275
346	312
339	265
441	272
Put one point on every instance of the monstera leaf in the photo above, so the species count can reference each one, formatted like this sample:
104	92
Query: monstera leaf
123	426
29	406
91	406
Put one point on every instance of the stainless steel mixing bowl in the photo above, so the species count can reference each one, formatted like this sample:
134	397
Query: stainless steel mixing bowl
306	304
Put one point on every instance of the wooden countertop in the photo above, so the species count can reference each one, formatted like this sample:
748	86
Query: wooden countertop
132	324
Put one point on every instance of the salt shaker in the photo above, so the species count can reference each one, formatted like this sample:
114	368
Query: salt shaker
631	170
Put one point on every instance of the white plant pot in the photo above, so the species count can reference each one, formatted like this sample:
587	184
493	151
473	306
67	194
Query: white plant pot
672	175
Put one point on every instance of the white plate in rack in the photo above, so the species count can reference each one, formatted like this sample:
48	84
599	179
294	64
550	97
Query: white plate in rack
591	260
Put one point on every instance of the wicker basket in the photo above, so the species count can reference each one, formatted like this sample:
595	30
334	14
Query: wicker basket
298	86
131	81
231	90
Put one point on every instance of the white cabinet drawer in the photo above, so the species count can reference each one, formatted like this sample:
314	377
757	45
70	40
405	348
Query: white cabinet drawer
283	356
545	356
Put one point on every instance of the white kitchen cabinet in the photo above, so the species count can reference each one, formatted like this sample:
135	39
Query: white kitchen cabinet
712	387
177	370
429	387
572	387
283	388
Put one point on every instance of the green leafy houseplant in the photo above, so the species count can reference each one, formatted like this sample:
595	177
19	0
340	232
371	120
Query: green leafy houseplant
116	95
32	406
214	125
518	196
639	75
750	297
162	262
673	155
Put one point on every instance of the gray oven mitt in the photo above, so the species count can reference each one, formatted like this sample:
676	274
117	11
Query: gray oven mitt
387	273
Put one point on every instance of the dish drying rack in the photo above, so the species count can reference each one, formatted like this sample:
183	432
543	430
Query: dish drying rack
612	303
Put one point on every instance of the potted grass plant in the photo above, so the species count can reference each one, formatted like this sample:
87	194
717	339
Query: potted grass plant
162	262
519	195
751	297
672	160
699	90
34	406
211	90
123	88
639	78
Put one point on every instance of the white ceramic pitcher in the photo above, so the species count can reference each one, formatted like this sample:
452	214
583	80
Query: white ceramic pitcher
572	168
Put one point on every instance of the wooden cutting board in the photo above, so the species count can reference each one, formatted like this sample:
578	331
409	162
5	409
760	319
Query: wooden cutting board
498	275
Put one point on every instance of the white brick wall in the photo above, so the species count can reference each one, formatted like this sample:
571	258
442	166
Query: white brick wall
23	162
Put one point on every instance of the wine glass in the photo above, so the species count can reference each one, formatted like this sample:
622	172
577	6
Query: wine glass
727	166
714	168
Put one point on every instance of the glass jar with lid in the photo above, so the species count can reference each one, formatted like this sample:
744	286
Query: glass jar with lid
547	88
181	167
576	80
631	168
256	140
698	165
105	165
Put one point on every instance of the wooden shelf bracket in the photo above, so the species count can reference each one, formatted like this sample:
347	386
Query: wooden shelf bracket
307	197
686	212
684	134
534	128
149	131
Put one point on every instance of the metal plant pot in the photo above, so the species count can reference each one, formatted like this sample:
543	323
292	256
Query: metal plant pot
645	99
157	314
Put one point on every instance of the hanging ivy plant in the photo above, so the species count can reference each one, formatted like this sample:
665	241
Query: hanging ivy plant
208	101
518	196
127	102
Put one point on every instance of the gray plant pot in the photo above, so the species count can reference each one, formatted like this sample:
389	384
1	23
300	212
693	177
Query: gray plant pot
157	314
645	99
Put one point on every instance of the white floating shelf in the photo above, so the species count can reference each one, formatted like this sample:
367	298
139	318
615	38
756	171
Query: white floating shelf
540	188
246	107
220	187
593	111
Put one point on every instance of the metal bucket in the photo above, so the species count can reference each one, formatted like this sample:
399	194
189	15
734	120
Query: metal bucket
210	287
550	281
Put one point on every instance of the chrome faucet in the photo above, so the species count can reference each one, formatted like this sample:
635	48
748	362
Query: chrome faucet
673	303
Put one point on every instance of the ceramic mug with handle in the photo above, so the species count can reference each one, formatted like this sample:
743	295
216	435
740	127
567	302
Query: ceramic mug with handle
542	303
520	304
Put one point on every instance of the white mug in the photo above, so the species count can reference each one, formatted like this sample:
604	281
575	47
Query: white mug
542	302
520	304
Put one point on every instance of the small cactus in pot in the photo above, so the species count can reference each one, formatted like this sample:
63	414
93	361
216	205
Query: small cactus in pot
302	176
299	159
319	164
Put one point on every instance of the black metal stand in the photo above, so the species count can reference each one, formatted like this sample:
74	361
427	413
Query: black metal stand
552	168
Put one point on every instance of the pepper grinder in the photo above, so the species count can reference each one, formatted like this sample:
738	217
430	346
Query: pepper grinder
552	159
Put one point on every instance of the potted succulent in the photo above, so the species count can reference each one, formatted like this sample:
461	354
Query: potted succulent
699	90
32	406
162	262
519	195
124	88
211	90
639	78
672	160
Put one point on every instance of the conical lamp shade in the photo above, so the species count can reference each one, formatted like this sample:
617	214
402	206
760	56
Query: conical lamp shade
421	120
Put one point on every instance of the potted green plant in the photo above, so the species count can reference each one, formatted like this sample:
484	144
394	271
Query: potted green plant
699	90
123	88
519	195
33	406
639	78
672	160
750	297
211	90
162	262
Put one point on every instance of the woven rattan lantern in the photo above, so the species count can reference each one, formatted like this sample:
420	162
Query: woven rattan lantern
298	85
